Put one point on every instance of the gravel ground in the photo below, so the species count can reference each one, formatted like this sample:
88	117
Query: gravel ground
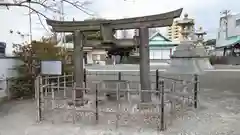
218	114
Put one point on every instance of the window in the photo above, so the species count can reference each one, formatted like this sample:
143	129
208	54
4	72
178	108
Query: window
2	47
2	50
238	23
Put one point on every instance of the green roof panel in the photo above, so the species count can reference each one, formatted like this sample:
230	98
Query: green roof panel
230	41
158	40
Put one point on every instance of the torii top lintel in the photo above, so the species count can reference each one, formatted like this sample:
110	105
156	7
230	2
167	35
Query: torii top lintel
159	20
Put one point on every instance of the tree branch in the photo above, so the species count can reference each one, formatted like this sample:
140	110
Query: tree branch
40	20
22	5
80	7
47	6
41	4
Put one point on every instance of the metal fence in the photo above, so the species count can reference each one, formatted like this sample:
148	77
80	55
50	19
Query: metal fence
114	99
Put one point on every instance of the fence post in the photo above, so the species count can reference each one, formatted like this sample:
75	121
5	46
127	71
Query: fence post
162	105
195	90
41	96
73	79
58	83
45	79
53	95
74	104
64	85
118	105
119	75
37	96
157	81
96	98
172	91
8	84
85	79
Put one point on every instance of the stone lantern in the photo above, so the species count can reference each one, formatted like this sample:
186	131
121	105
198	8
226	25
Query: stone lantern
200	36
187	58
205	63
187	27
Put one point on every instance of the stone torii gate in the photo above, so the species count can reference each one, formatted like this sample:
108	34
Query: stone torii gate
106	27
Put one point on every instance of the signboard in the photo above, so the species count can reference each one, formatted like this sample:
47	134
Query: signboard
51	67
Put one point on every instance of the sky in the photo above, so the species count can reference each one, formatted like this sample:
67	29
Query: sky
205	12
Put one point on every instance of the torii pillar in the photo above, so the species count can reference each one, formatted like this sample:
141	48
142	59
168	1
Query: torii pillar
78	62
144	64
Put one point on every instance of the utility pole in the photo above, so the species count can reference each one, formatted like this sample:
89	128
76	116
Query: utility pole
226	14
30	21
62	19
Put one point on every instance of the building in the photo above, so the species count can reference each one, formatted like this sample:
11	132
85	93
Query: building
151	31
228	36
2	48
160	47
229	26
174	32
124	34
228	39
91	56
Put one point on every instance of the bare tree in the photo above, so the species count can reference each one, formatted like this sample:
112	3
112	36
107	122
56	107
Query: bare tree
46	6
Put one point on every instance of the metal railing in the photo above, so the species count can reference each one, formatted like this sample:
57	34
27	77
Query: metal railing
168	95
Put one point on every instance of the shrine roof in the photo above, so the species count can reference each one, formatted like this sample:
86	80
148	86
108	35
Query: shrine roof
158	40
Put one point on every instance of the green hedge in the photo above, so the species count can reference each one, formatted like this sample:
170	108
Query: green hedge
21	87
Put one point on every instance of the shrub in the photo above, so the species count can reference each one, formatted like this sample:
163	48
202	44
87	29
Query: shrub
21	87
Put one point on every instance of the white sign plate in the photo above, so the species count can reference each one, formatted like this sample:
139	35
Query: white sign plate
51	67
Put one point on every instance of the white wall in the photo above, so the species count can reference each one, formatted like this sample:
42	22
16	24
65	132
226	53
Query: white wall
7	70
163	54
232	28
89	58
97	52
